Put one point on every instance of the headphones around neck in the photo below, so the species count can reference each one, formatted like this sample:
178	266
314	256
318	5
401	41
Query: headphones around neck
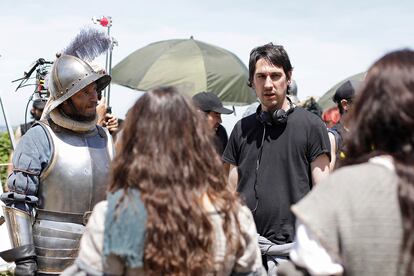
277	117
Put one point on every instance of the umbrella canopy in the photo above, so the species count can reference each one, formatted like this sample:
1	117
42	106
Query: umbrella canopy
326	100
190	65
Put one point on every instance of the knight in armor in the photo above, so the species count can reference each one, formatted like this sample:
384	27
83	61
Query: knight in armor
60	171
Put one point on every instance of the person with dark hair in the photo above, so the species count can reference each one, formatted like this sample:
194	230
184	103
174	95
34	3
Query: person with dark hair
169	210
60	169
312	106
36	113
211	106
360	220
343	98
277	154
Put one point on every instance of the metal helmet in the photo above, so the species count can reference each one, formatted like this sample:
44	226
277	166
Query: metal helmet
68	76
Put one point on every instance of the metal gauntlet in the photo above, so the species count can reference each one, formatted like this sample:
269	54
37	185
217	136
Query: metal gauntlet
19	226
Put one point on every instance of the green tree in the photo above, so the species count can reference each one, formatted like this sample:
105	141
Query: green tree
5	149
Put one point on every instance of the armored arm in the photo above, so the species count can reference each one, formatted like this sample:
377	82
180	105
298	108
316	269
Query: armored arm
19	226
29	159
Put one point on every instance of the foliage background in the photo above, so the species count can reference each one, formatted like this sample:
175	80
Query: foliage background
5	148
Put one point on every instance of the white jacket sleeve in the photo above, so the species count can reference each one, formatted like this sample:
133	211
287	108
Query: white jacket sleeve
250	260
310	254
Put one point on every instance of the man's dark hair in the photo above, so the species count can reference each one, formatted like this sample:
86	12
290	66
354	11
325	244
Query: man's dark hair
341	108
275	54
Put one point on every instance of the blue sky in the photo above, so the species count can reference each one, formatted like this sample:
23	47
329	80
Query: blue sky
326	40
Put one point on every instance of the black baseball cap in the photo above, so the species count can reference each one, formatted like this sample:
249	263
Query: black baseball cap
39	104
346	91
208	101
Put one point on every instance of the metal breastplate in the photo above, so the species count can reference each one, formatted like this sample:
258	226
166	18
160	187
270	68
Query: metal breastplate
76	177
74	181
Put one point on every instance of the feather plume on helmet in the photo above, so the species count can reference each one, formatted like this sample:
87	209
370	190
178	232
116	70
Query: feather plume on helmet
72	70
88	44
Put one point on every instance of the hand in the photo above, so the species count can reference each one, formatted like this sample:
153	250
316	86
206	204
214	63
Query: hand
111	123
101	111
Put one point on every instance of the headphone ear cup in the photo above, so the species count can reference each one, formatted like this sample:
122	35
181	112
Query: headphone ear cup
280	116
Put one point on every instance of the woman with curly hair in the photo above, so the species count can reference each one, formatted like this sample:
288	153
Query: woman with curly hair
361	220
169	210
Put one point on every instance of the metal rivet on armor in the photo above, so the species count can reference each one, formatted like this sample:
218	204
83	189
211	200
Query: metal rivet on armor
73	84
86	74
61	92
67	89
80	79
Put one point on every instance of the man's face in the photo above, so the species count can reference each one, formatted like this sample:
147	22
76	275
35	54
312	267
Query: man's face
270	83
346	105
36	113
84	104
214	119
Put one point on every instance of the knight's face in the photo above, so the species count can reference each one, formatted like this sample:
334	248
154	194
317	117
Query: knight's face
84	103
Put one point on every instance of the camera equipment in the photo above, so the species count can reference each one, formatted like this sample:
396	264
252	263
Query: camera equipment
42	67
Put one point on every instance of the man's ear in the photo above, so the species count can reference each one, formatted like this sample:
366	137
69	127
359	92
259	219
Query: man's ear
345	104
289	77
252	84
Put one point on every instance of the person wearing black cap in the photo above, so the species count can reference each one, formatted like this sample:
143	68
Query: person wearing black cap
36	113
209	103
343	98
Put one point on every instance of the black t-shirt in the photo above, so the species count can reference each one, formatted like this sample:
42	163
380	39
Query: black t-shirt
220	139
284	174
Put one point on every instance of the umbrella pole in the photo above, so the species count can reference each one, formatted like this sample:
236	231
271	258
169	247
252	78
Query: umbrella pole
108	66
108	94
106	21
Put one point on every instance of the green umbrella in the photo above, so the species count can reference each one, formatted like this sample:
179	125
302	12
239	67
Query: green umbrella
190	65
326	100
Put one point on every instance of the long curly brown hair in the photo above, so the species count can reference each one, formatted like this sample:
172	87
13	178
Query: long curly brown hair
166	152
382	122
